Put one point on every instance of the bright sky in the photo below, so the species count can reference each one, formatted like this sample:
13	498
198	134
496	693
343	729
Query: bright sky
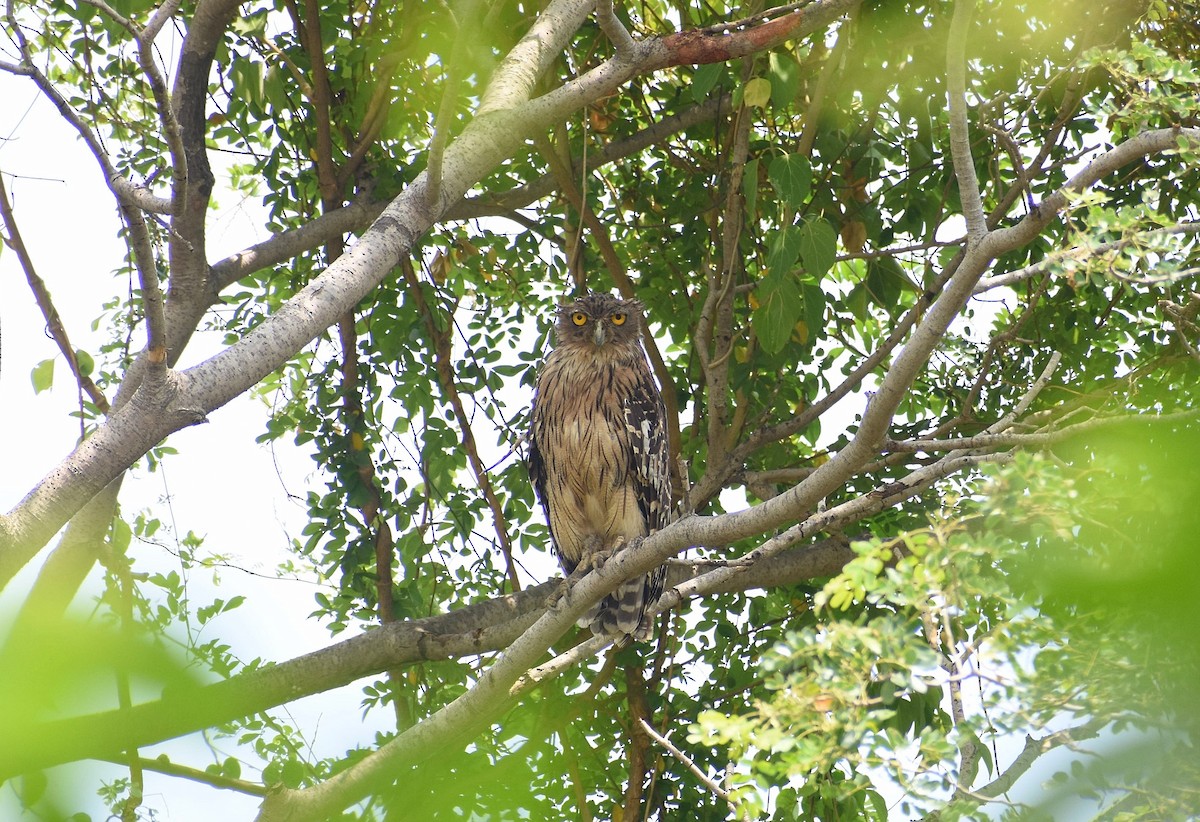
222	485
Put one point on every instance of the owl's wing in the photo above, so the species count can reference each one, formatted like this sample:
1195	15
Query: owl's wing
646	419
537	465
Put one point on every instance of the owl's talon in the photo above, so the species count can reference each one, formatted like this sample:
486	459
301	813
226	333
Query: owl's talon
623	545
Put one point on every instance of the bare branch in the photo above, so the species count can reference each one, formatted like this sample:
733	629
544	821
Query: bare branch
124	190
733	40
144	37
512	82
41	295
1142	144
1034	749
713	336
152	298
360	214
536	676
165	766
687	762
614	30
441	124
1029	396
960	136
1081	253
718	531
1041	439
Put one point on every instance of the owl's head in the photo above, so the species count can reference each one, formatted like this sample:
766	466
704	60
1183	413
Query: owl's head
600	321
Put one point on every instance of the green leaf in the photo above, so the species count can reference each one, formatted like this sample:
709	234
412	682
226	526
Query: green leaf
704	78
879	804
121	535
785	78
885	282
783	252
791	176
86	364
757	92
818	246
814	308
43	376
779	307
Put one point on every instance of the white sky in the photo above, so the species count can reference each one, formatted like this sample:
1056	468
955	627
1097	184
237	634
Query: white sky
222	485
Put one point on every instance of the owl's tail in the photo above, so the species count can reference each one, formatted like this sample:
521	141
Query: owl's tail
622	614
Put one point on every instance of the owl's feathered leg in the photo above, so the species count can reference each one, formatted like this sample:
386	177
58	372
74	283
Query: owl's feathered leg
580	569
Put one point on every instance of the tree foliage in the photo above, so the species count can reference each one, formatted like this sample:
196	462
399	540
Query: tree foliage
918	277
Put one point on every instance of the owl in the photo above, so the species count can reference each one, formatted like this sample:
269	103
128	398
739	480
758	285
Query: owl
599	455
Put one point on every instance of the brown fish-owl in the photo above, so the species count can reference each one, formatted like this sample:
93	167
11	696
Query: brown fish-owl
599	454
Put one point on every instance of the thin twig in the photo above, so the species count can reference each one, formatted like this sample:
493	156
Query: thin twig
144	37
535	676
165	766
124	190
1029	396
1040	439
443	356
829	520
688	763
713	336
152	298
41	295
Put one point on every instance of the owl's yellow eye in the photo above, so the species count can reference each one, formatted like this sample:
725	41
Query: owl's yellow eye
618	318
579	318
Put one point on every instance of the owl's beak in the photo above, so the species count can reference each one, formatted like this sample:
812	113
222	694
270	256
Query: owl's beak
599	334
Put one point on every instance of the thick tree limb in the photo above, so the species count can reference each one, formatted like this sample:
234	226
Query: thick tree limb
484	628
360	214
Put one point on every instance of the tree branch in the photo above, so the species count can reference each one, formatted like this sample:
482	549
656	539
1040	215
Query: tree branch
960	136
1081	253
687	762
165	766
614	30
445	370
453	78
41	295
124	190
1034	749
361	213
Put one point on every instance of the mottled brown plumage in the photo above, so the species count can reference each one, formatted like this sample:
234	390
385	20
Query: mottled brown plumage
599	454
